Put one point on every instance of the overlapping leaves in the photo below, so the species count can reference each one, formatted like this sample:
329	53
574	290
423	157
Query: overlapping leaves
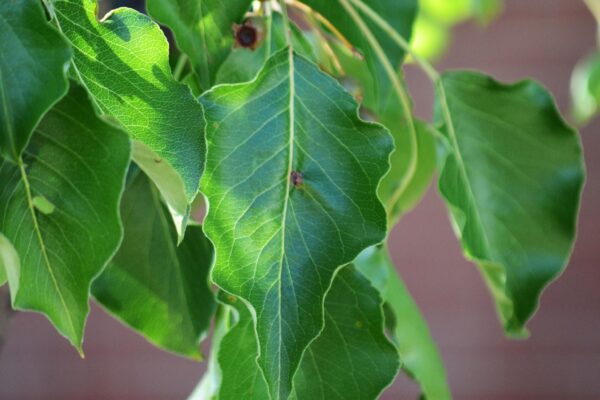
59	210
203	30
284	219
351	358
123	62
156	287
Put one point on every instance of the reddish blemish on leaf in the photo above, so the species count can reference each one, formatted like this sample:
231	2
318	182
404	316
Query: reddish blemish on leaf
297	178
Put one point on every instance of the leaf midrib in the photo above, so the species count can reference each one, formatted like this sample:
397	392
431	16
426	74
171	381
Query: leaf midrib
292	118
43	249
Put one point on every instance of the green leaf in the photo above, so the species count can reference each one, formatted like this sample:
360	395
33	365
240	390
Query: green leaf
399	200
400	14
202	29
241	377
32	72
209	385
585	88
418	352
77	162
351	359
243	64
512	181
152	285
123	61
283	220
9	259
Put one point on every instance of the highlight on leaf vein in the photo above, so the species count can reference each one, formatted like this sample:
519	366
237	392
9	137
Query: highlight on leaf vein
224	178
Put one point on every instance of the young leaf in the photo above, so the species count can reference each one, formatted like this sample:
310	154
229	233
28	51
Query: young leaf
156	287
418	352
77	162
32	72
283	220
399	14
351	359
512	181
202	29
123	61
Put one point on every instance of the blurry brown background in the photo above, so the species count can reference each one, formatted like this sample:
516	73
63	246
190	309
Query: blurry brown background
533	38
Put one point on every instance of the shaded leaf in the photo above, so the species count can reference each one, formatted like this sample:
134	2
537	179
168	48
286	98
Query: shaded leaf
202	29
512	181
400	14
154	286
32	72
283	220
123	61
351	359
399	199
418	352
77	162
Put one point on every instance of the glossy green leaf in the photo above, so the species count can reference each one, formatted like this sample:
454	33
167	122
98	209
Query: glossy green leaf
77	162
32	72
202	29
512	180
400	14
351	359
284	219
123	61
154	286
418	352
243	64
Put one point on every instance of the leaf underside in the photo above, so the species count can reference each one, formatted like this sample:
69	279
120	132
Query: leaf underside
291	179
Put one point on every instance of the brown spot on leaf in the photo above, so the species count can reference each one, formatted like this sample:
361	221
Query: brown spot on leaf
246	35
